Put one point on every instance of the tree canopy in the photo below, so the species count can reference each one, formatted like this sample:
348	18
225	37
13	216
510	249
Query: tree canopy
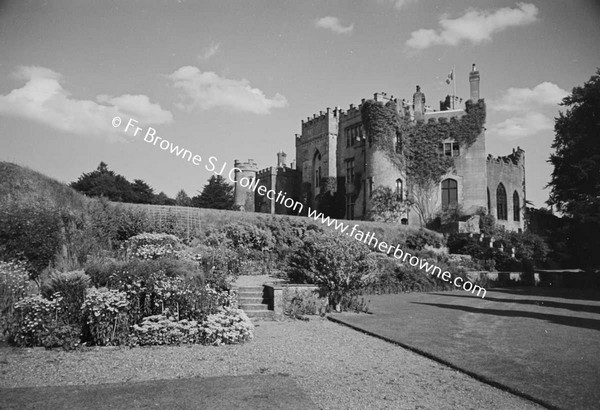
104	182
575	181
217	194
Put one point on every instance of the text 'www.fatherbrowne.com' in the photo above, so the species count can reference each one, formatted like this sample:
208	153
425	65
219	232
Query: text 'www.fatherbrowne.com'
253	184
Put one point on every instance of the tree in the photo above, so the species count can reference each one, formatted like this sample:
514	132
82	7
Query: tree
217	194
575	181
182	199
103	182
163	199
142	192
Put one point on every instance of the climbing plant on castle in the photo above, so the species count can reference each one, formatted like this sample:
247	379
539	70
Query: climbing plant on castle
414	148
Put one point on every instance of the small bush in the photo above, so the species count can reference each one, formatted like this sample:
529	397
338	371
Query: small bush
71	287
105	317
229	326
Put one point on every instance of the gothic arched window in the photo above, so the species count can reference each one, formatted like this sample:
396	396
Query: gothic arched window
449	193
501	203
317	168
516	207
489	202
399	189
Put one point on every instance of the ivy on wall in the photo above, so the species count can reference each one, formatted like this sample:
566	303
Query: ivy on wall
418	154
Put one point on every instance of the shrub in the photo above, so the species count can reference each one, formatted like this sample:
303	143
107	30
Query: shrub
151	291
338	264
299	301
30	231
71	287
217	263
399	277
165	330
105	317
241	235
39	322
152	245
101	269
417	240
229	326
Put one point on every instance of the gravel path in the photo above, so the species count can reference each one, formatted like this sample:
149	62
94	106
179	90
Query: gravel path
338	367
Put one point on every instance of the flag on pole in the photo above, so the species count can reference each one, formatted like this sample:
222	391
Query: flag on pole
450	77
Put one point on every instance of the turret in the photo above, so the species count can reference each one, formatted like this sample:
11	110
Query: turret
243	196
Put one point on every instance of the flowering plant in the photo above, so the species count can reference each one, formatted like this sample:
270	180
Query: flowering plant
105	317
229	326
14	281
40	322
165	330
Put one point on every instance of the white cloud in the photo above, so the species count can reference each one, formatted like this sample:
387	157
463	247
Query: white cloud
44	100
206	90
210	51
334	24
476	26
523	126
520	99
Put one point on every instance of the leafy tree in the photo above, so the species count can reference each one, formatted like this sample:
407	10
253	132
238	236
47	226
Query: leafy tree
575	181
217	194
182	199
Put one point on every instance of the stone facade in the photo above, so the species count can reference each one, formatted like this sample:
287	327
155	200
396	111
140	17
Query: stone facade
338	167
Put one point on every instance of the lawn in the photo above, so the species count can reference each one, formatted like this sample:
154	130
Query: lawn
543	343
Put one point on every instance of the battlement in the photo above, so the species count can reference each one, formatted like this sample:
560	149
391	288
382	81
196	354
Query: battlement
249	165
329	114
515	159
275	171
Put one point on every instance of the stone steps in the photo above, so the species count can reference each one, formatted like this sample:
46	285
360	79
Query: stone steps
254	303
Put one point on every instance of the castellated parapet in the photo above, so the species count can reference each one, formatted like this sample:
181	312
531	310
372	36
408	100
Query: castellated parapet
243	196
339	166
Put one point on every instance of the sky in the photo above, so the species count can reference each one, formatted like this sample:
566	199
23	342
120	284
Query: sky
233	79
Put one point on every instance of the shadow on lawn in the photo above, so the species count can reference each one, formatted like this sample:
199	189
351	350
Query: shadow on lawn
544	303
563	293
561	320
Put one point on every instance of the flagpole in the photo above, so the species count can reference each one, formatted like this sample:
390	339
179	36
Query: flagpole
454	86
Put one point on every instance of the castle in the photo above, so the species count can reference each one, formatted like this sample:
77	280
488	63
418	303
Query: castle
335	158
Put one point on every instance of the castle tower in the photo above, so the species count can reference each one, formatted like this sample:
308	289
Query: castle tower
419	104
474	82
281	156
243	196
